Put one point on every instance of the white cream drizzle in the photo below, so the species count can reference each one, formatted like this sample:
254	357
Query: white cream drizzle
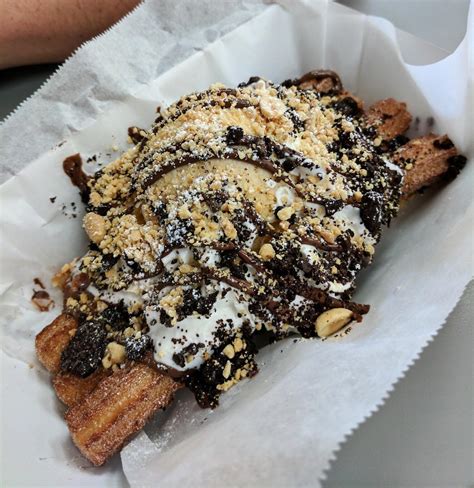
130	297
284	196
231	309
350	218
176	258
310	253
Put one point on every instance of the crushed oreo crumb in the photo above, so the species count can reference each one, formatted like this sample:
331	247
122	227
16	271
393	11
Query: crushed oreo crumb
83	355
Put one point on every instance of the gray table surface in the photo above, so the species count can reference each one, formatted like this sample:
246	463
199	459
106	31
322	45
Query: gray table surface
423	436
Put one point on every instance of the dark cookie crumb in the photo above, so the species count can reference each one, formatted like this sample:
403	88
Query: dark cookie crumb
116	316
445	143
136	348
456	164
84	352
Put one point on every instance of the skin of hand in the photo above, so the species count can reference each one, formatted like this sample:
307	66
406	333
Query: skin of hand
46	31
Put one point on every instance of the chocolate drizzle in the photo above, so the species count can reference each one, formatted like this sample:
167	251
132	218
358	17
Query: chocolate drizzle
42	301
268	155
137	135
72	166
201	100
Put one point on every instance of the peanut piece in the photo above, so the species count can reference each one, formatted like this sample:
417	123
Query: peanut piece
183	212
332	320
238	344
94	225
227	369
285	213
187	268
106	361
229	351
267	252
229	229
117	352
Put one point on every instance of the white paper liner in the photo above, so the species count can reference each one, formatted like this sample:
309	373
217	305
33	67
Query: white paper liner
283	427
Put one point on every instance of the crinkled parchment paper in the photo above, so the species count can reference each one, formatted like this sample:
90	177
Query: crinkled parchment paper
282	427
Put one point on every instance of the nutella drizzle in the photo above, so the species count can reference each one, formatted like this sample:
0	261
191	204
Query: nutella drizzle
42	301
72	166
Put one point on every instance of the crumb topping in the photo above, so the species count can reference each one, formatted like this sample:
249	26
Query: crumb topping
241	212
